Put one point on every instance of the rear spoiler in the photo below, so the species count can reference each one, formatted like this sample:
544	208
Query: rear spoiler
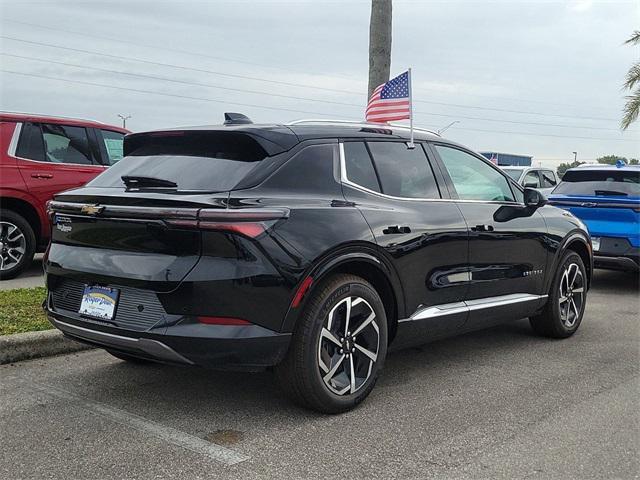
270	140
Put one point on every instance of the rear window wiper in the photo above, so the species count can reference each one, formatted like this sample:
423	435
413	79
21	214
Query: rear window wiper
611	192
132	181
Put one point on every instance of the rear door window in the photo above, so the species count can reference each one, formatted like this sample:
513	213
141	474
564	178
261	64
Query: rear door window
31	145
111	145
548	179
403	172
359	166
600	183
66	144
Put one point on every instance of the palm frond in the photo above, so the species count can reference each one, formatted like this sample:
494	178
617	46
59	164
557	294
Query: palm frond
633	76
631	109
634	39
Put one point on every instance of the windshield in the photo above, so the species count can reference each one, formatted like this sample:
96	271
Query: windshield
513	172
600	183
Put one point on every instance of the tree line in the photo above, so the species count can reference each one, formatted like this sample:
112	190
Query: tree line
606	160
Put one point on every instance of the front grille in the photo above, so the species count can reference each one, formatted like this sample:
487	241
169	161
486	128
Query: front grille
137	309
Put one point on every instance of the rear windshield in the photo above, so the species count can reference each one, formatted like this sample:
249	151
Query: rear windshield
600	183
194	161
513	172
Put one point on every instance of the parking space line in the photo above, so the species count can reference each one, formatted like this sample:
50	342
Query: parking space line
168	434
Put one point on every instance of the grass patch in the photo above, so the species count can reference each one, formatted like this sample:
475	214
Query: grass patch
21	311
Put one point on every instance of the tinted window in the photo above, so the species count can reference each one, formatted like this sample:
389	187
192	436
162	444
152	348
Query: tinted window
112	142
600	182
65	144
403	172
548	179
309	171
205	161
359	167
472	178
531	179
31	145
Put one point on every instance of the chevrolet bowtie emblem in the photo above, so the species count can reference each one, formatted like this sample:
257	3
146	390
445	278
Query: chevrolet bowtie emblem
92	209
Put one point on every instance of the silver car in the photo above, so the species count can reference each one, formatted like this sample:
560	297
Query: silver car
542	179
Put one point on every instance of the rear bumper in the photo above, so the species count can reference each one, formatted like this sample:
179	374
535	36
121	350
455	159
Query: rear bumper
628	263
216	346
617	253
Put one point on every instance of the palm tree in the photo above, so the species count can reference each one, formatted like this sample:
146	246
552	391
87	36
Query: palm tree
632	108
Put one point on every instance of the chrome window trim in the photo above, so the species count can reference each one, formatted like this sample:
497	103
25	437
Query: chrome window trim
345	180
434	311
13	144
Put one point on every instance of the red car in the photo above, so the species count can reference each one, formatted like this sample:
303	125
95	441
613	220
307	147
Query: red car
39	157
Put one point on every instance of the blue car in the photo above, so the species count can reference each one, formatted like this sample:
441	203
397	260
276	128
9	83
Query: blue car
607	199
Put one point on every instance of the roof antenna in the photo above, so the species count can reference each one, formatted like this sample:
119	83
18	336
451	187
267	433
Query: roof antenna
231	118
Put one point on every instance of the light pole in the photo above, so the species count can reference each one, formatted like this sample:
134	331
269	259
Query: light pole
124	119
445	128
575	157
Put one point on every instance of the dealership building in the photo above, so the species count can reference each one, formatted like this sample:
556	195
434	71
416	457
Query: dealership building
508	158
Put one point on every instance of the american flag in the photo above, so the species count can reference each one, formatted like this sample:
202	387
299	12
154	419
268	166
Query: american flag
390	101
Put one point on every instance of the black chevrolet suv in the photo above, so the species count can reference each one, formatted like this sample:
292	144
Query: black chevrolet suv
311	247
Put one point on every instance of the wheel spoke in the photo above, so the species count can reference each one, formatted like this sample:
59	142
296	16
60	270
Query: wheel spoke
575	309
347	316
575	275
371	355
578	290
365	323
353	375
333	370
330	336
563	299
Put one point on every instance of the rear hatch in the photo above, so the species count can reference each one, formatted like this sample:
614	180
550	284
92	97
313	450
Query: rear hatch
606	200
137	223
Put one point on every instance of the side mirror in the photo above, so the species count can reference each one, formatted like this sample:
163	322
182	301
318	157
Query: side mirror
530	185
533	198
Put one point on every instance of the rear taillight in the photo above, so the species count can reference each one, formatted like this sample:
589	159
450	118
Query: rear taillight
222	321
250	222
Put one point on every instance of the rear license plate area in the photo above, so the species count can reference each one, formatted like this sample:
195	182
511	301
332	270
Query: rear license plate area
99	302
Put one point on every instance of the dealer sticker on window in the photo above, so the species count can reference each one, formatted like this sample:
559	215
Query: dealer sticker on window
99	302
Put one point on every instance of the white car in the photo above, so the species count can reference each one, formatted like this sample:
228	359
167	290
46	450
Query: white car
542	179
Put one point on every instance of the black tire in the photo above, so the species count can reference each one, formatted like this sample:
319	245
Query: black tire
128	358
300	375
559	318
8	220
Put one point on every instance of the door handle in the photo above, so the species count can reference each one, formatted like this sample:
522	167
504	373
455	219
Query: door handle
395	229
482	228
42	175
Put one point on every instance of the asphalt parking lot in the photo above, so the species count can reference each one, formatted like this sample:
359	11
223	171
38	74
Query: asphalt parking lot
501	403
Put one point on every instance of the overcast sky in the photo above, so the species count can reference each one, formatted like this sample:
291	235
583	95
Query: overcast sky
539	78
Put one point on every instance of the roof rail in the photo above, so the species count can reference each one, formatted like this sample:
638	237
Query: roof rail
59	117
360	123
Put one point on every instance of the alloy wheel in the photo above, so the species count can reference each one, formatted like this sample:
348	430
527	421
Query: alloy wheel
571	295
348	346
13	245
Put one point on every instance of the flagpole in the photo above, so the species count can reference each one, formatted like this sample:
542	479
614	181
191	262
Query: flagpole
411	144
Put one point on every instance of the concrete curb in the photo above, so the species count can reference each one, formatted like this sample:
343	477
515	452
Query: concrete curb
23	346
